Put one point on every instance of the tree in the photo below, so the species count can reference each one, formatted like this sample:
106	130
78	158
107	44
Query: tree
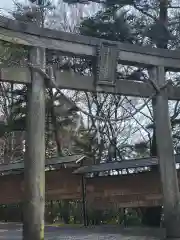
154	23
15	98
135	21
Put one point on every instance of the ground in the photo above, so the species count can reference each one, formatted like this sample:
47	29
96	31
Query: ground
12	231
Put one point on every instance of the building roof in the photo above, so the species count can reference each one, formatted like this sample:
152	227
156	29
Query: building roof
124	164
54	162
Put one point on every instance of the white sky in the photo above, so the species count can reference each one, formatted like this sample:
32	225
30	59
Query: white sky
7	4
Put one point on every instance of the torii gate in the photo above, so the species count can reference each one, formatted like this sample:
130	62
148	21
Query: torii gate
106	54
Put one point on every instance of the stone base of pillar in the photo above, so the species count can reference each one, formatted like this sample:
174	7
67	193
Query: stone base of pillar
173	227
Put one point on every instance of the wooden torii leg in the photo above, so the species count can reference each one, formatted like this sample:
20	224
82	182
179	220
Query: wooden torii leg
84	206
34	171
166	156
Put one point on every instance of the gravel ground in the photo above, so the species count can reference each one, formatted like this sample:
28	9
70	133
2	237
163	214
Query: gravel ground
14	232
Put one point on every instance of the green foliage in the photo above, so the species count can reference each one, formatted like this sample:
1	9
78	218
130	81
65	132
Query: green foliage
132	21
118	3
12	54
70	212
141	22
103	26
41	2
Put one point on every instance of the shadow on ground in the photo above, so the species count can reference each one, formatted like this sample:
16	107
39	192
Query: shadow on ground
12	231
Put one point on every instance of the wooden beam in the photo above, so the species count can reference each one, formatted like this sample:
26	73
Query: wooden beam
67	80
26	39
146	58
31	35
34	174
19	166
166	156
15	75
118	165
84	201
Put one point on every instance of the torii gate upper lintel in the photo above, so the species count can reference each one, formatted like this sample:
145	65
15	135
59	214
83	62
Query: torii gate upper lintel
107	54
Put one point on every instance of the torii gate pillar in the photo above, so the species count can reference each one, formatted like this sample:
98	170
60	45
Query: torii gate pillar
34	165
165	150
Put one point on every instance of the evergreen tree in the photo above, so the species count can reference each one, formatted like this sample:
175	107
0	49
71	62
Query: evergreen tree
144	22
154	23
